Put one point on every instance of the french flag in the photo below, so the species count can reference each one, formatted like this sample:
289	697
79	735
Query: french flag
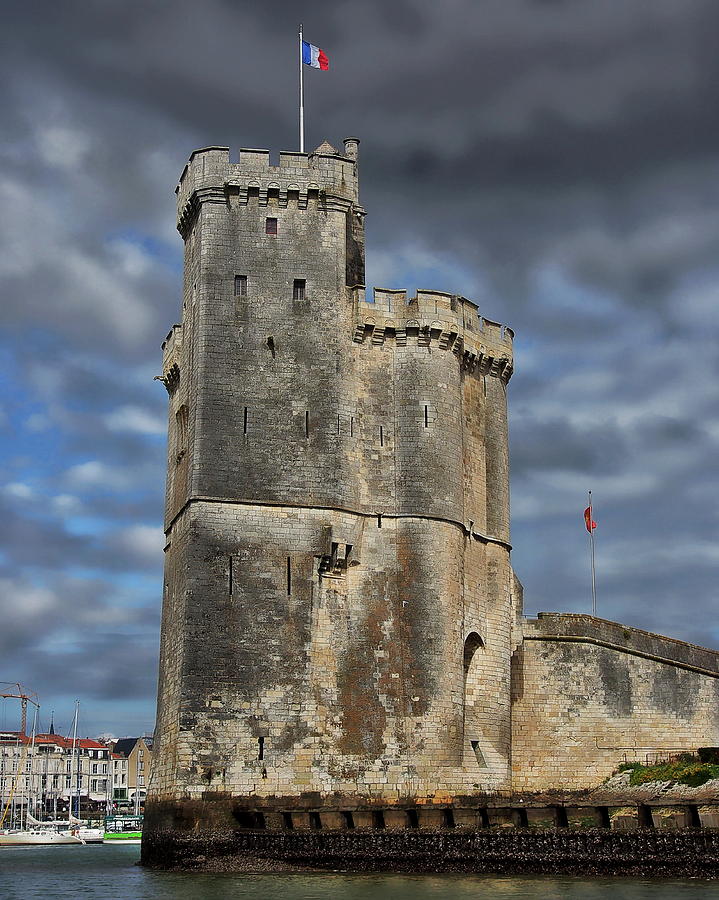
313	56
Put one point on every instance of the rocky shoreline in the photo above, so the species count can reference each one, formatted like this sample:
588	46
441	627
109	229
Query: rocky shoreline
590	852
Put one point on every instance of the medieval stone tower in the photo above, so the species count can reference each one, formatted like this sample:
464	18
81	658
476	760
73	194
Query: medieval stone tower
339	608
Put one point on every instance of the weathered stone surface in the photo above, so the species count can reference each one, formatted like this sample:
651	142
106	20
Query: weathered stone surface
343	649
591	694
651	852
338	616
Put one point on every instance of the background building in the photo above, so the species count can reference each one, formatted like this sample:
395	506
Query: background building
132	760
45	773
119	779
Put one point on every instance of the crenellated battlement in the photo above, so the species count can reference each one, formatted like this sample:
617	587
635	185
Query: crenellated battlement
343	646
435	318
337	513
324	177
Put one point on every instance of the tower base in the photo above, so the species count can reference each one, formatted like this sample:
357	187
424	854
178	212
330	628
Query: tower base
690	852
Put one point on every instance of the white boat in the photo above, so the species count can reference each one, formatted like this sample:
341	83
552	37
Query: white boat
73	825
11	837
90	835
35	832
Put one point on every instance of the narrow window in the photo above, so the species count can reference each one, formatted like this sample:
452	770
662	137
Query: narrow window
338	424
289	576
244	422
230	577
479	756
181	420
352	426
240	285
381	436
307	423
379	520
260	748
298	289
270	226
426	417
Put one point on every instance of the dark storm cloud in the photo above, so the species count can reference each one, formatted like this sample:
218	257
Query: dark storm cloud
107	667
557	161
556	444
32	537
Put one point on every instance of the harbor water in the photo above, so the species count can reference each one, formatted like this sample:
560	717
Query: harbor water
105	872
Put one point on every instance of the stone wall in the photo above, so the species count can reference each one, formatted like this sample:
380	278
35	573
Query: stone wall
589	694
339	610
343	648
648	852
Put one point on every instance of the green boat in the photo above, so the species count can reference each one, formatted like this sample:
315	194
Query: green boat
123	830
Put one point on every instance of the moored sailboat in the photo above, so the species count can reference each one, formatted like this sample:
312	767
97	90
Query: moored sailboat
32	831
41	834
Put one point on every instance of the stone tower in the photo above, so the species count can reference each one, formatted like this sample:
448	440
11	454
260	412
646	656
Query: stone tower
339	606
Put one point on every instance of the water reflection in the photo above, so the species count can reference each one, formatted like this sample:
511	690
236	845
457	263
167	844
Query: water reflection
39	873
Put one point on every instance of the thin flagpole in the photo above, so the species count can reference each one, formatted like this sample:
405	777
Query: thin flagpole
302	98
591	551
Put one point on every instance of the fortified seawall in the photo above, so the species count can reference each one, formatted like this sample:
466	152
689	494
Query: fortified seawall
345	669
657	854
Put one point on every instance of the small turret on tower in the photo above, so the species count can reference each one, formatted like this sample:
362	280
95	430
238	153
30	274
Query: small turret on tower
352	148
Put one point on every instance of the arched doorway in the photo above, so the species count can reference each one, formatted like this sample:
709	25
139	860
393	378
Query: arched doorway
472	658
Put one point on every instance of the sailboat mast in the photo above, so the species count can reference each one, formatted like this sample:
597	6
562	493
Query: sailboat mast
18	753
31	775
72	763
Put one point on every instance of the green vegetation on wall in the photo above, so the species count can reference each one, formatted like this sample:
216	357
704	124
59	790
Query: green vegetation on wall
687	768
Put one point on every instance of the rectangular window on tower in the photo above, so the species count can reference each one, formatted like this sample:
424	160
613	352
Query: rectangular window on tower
270	226
298	289
240	285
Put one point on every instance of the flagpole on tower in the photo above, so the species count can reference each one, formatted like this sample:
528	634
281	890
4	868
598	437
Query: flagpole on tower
590	528
302	98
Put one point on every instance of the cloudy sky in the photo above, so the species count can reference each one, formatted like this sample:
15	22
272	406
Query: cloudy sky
557	160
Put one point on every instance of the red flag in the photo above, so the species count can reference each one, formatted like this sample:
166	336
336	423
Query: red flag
588	520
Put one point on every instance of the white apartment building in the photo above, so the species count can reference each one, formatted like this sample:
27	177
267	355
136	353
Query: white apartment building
45	772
